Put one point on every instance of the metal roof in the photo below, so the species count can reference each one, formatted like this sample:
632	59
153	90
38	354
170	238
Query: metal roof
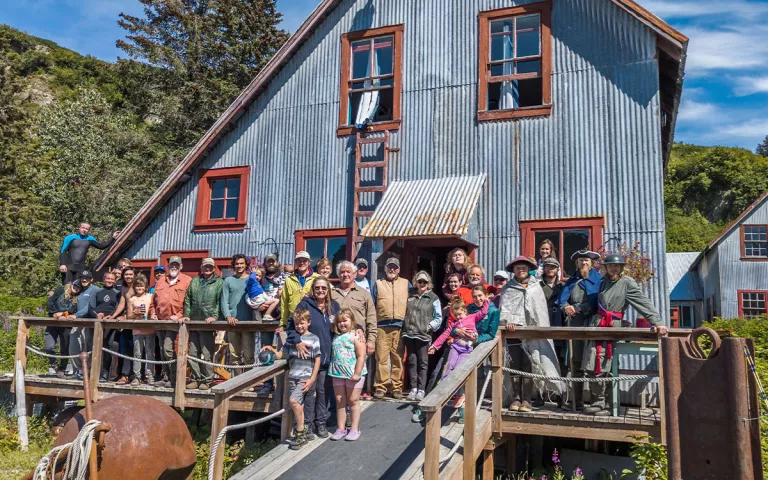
682	283
437	206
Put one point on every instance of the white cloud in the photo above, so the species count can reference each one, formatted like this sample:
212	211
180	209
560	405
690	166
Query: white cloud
753	128
690	9
726	49
697	112
744	86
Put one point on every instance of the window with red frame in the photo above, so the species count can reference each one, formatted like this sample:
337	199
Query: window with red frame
752	303
568	235
222	198
754	242
331	244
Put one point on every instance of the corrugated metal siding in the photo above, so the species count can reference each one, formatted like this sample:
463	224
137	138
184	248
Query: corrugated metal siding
683	284
598	153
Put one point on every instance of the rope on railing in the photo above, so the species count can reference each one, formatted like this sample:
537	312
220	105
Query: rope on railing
77	457
50	355
580	379
460	441
220	437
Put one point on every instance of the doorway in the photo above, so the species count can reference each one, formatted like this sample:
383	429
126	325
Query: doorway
430	255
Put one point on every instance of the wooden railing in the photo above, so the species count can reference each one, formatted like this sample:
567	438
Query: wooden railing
465	375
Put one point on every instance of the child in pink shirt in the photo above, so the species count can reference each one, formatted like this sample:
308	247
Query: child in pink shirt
460	347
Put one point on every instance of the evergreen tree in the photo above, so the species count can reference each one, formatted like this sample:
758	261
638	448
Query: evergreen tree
207	51
762	149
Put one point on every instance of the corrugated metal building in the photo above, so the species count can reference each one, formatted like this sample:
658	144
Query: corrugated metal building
733	269
685	294
583	166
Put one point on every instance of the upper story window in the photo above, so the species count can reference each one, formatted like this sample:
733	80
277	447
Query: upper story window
515	62
371	80
222	196
566	235
754	242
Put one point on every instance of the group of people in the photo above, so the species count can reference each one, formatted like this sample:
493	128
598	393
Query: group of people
337	333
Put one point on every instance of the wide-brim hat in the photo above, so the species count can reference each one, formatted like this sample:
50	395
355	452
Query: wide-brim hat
520	259
585	254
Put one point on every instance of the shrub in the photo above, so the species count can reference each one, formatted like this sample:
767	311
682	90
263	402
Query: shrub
10	305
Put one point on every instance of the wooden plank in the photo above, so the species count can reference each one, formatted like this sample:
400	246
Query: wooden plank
360	165
589	333
96	353
662	402
249	378
366	213
286	422
220	413
370	189
446	388
181	367
432	446
488	465
483	433
497	379
470	425
20	355
611	432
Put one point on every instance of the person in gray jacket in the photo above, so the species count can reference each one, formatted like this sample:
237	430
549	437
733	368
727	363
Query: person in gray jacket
81	338
423	314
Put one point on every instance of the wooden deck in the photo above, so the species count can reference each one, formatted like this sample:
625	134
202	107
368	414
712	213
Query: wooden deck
52	386
550	420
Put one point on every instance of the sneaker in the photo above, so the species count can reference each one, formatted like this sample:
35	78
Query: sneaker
299	441
60	374
420	395
352	435
525	407
459	401
397	395
322	431
103	379
515	406
265	390
122	380
338	434
52	371
412	395
603	413
191	385
595	407
203	386
310	434
461	415
379	394
365	396
135	382
79	375
268	318
418	416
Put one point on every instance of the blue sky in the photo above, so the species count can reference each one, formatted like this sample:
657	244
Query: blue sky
725	99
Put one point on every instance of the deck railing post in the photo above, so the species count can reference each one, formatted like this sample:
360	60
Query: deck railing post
286	422
181	367
20	354
432	446
470	425
662	395
97	344
497	381
220	413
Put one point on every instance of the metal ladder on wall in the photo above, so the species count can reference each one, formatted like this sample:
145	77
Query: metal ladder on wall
355	239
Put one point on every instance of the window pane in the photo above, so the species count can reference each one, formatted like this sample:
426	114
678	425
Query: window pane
502	47
686	316
502	69
573	241
354	106
532	66
233	188
217	210
501	95
316	249
232	208
217	188
386	103
384	56
527	36
753	304
361	58
529	92
505	25
337	251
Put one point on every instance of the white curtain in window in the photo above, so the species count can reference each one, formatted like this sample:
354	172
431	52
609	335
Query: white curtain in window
508	89
369	102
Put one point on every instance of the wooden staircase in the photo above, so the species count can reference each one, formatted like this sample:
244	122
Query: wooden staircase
355	239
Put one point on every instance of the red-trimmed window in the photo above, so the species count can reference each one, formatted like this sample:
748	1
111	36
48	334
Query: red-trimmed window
146	267
371	79
754	242
515	65
191	260
224	266
569	235
222	196
331	244
752	303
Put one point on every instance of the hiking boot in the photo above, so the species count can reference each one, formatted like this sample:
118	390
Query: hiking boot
150	380
338	434
595	407
379	394
515	406
461	415
322	430
299	441
352	435
103	379
51	371
310	434
420	395
525	407
135	382
458	401
191	385
122	380
412	395
265	390
203	386
397	395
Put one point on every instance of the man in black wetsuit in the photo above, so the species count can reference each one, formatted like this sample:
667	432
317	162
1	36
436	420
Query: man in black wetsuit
74	251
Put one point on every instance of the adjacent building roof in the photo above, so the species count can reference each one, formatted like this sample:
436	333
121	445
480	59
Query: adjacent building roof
671	42
731	227
432	207
682	283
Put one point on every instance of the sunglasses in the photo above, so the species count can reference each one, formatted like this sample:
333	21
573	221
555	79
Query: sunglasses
499	279
421	282
362	267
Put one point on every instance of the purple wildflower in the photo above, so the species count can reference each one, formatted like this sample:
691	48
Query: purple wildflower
555	457
578	472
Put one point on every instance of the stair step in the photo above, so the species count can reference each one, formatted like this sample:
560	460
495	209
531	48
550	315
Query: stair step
370	189
371	164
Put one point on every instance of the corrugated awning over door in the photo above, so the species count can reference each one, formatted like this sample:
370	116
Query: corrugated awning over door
425	208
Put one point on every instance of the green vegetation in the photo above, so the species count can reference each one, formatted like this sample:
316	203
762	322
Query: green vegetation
705	189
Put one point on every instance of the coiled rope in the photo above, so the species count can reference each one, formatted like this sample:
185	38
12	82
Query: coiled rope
77	457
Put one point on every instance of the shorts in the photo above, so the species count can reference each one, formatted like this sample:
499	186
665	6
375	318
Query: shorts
296	387
257	301
345	382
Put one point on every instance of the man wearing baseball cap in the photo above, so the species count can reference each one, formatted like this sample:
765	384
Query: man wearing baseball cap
362	271
500	278
296	287
203	302
168	304
81	338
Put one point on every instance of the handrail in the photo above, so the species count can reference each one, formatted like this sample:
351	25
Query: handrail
590	333
225	390
197	325
440	395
